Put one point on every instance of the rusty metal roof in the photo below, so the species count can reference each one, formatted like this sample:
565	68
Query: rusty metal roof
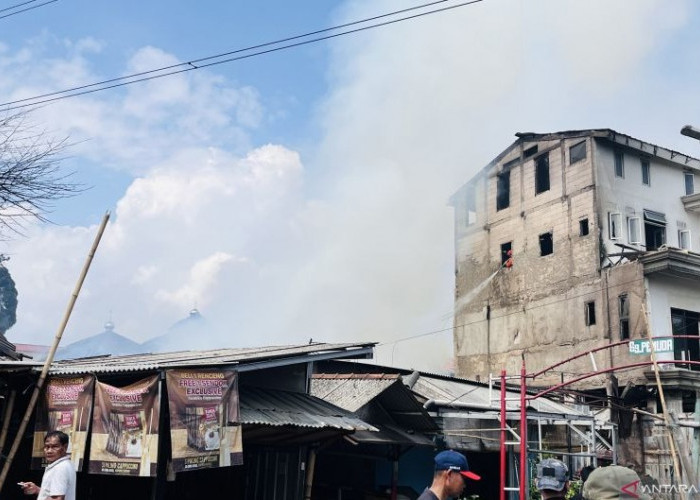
242	359
282	408
351	391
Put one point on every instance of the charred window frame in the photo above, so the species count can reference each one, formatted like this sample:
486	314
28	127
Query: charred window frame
619	164
531	151
589	310
546	244
577	152
623	304
542	173
503	189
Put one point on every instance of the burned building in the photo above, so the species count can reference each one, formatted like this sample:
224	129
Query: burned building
574	240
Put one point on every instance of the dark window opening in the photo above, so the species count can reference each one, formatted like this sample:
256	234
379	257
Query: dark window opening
619	164
546	245
624	310
577	152
689	183
506	252
503	190
646	177
590	313
688	401
530	151
542	173
654	229
583	227
686	323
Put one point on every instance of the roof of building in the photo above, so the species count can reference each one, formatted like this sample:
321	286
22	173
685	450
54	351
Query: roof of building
688	162
361	392
106	342
282	408
239	358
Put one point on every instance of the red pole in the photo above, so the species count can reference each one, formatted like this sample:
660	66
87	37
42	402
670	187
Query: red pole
523	433
503	436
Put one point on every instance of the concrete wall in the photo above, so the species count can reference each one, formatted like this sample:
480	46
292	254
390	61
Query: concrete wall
537	307
629	196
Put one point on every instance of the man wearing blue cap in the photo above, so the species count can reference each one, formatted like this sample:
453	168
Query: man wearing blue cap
448	481
552	480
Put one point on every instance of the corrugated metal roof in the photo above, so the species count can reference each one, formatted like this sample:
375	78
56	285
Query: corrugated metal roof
351	391
442	390
243	357
282	408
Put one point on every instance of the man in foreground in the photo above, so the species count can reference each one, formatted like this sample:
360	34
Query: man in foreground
58	482
448	481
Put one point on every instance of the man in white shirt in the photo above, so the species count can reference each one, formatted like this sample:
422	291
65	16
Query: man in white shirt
58	482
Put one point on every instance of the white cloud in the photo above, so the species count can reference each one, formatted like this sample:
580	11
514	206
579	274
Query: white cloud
358	245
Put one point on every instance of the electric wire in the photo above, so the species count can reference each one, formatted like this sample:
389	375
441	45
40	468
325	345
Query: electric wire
23	10
223	58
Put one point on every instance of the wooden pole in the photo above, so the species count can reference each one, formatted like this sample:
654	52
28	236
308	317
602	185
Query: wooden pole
52	352
8	415
660	387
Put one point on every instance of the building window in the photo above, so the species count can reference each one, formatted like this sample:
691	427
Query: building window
546	244
685	322
684	239
583	227
577	152
619	164
624	310
470	205
503	190
542	173
530	151
646	173
506	252
614	225
654	229
689	183
590	313
634	230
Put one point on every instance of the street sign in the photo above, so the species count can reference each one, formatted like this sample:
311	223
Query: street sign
641	346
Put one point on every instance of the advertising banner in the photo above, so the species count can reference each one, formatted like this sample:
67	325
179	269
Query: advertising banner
124	439
204	415
65	405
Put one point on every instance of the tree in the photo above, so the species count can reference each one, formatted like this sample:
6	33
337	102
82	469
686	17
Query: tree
30	175
8	298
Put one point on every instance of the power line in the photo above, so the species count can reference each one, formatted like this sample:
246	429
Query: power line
23	10
227	57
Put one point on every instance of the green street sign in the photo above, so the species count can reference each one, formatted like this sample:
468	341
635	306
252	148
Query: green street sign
641	346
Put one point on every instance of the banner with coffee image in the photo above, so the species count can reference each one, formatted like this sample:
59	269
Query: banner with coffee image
124	438
65	405
204	416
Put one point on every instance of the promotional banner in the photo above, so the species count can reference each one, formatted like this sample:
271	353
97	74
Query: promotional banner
66	405
124	438
204	419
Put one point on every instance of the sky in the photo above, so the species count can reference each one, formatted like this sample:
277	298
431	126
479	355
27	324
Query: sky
303	194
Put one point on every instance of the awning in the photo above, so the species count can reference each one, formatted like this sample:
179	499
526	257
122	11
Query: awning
656	217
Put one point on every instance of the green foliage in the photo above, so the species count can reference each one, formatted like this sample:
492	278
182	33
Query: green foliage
8	300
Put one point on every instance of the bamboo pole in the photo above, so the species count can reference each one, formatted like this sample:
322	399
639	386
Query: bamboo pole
7	417
659	385
49	358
